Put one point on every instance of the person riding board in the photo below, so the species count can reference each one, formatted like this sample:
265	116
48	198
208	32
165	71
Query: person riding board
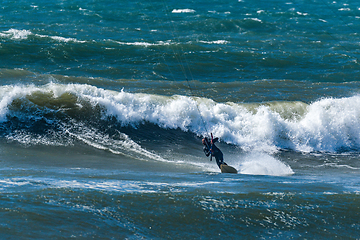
213	151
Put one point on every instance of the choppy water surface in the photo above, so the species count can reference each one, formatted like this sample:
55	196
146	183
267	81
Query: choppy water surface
103	105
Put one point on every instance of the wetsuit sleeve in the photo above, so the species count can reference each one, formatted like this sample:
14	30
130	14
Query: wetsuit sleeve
206	151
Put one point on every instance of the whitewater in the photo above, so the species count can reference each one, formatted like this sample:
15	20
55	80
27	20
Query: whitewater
327	125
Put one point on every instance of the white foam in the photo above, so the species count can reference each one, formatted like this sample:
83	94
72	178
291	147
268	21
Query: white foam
24	34
63	39
14	182
215	42
302	14
16	34
145	44
254	19
329	124
183	11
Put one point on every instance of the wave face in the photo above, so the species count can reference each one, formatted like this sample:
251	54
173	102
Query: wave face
52	110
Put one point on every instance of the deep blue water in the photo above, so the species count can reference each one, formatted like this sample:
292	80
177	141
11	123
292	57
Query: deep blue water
103	105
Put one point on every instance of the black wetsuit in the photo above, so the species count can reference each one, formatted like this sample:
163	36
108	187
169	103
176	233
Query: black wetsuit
215	152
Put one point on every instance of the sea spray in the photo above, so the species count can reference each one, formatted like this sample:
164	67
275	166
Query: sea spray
257	163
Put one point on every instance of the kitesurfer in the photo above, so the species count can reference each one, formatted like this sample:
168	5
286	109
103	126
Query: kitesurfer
213	151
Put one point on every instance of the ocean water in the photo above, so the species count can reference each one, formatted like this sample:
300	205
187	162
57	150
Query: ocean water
103	105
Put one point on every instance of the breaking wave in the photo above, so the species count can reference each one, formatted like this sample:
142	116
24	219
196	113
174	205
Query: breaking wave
327	125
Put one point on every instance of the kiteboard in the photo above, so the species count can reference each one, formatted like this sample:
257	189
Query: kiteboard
227	169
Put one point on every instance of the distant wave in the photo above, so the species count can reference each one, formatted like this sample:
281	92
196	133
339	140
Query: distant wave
327	125
145	44
215	42
16	34
24	34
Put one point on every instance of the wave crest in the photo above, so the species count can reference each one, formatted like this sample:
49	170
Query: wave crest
327	125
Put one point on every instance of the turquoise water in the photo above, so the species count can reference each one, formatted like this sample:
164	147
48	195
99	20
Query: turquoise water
103	105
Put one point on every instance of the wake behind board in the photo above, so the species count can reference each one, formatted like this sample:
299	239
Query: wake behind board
227	169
